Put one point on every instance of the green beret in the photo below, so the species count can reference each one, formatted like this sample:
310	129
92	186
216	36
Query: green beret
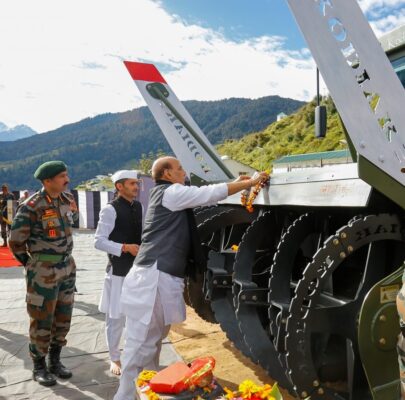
49	170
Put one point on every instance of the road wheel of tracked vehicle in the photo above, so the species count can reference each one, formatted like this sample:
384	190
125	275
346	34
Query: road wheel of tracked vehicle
194	288
250	290
230	226
321	340
219	276
214	230
296	248
191	291
202	214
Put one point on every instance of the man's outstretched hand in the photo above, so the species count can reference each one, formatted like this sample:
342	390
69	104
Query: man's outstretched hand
256	178
245	182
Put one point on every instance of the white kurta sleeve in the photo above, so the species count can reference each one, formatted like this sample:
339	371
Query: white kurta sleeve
105	226
179	197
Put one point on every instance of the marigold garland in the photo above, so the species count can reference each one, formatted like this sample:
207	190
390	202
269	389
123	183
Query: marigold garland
248	390
143	383
248	197
144	377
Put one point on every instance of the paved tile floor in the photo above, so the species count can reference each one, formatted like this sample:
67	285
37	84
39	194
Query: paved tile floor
86	353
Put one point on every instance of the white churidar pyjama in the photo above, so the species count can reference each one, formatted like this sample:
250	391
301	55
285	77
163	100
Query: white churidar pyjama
114	320
152	301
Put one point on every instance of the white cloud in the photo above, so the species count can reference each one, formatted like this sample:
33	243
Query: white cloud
384	15
61	61
370	5
388	23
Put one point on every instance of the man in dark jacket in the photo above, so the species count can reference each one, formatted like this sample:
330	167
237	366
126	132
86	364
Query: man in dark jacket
152	293
119	235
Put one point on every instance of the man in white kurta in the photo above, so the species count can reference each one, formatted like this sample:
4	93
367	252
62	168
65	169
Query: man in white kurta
152	293
118	234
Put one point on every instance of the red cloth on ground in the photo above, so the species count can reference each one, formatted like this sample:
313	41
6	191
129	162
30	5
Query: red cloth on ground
7	258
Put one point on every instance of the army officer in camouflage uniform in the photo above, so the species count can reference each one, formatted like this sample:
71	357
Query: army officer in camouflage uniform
41	239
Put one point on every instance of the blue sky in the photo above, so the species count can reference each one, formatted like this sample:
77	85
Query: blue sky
240	19
62	61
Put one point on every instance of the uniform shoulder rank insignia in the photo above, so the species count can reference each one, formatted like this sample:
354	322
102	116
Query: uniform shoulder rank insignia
33	200
68	197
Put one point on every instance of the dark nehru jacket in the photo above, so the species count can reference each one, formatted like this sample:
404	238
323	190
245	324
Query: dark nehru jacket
127	229
170	238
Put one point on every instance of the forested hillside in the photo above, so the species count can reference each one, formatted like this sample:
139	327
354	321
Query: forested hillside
108	142
292	135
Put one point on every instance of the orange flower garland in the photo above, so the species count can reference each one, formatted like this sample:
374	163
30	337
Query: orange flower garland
248	390
248	197
143	383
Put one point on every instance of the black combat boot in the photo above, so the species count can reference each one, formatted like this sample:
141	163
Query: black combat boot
55	366
41	374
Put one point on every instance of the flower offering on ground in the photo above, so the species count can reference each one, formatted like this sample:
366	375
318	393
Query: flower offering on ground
248	390
203	386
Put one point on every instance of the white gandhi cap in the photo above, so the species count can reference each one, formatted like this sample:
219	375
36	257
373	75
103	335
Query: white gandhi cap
124	174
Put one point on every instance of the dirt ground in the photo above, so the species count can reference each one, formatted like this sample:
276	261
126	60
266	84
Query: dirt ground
197	338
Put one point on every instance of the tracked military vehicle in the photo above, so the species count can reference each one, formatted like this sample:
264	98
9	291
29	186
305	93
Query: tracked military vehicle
306	284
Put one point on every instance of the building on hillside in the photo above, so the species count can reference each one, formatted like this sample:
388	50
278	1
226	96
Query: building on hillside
99	183
393	44
237	168
280	116
301	161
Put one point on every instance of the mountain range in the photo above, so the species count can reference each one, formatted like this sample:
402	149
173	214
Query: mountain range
18	132
108	142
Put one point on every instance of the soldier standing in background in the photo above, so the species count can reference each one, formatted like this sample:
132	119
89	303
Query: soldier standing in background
118	233
4	197
23	197
41	239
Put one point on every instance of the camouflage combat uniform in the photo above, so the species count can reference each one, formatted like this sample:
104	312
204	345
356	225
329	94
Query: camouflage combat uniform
41	238
401	337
